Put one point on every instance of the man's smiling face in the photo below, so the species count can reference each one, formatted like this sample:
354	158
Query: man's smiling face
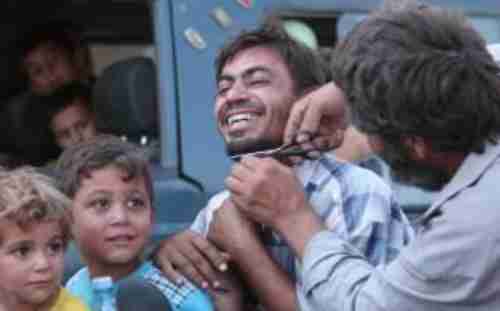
255	92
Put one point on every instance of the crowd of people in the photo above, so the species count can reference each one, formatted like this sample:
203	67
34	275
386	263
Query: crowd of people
416	85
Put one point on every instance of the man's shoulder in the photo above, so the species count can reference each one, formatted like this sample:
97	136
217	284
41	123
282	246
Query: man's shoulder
218	198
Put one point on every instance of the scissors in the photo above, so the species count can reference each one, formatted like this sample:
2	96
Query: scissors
292	149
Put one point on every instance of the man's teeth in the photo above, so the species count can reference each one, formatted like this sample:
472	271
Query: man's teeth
239	117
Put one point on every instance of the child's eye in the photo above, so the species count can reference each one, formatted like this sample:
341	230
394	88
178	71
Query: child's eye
21	252
136	203
56	247
100	204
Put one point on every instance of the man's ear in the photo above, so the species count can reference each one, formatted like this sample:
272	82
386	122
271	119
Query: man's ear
418	147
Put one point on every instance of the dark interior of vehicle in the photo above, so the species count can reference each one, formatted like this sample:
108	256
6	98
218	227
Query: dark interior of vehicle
124	21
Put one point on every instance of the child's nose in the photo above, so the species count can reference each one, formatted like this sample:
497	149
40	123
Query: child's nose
119	214
41	261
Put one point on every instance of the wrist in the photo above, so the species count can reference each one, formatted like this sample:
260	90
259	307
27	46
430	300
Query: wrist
298	228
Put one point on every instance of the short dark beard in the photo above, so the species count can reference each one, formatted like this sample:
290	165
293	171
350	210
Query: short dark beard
250	145
406	170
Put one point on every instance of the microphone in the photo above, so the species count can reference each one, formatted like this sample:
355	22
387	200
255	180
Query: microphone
136	294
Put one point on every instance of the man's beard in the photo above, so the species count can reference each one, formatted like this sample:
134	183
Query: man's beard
408	171
249	145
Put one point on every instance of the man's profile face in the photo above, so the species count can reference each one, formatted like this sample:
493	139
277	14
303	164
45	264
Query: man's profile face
255	92
49	67
405	168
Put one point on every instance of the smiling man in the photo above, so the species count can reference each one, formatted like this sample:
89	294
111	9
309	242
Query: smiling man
422	85
260	74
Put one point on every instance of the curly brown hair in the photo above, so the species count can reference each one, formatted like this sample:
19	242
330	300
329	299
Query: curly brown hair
28	198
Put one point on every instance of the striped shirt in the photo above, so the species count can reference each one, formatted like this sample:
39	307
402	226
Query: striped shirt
353	202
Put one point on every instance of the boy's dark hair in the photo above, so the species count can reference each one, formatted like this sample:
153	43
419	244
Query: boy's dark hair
304	63
28	197
65	96
79	161
418	71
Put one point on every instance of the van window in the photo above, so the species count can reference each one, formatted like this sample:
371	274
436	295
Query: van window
487	26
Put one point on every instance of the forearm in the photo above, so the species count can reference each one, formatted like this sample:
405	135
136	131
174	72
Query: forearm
298	228
266	278
336	276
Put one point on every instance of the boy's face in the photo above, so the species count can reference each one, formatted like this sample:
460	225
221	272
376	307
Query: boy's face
48	67
111	219
31	262
74	124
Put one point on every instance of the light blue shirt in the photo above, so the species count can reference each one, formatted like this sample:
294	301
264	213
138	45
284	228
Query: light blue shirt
185	297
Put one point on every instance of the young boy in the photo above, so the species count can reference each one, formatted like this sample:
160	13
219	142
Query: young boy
71	115
33	237
111	220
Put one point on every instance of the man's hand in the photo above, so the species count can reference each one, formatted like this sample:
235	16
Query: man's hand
265	190
321	113
269	193
231	231
232	298
190	255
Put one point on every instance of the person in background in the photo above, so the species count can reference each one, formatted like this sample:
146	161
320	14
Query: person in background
34	233
423	87
49	56
71	114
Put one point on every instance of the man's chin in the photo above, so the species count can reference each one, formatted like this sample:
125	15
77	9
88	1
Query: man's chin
248	146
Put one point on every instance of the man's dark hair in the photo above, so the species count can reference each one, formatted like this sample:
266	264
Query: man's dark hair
65	96
79	161
304	63
417	71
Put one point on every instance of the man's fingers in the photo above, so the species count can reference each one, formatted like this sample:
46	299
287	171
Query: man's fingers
169	271
311	122
295	120
184	265
197	266
210	252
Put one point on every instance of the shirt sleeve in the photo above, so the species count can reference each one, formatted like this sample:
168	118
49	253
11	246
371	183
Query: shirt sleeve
204	218
446	265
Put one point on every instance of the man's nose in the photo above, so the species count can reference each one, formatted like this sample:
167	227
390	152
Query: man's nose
237	92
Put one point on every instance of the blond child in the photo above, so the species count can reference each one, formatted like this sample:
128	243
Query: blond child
33	237
111	220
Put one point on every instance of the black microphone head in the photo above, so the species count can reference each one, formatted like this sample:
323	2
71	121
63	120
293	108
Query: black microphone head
136	294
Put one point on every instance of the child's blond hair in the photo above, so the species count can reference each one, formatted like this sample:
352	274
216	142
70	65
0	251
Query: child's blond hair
28	197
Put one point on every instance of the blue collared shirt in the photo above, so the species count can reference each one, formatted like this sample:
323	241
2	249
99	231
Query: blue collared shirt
353	202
